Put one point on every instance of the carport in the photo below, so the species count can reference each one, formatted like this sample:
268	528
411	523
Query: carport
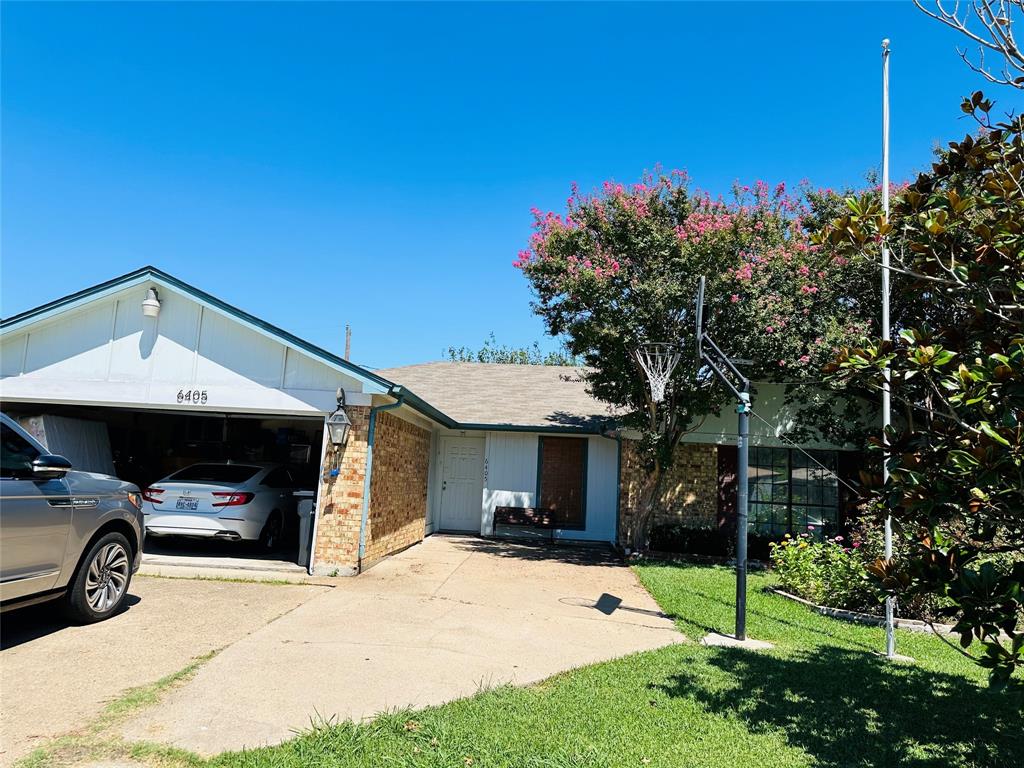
144	374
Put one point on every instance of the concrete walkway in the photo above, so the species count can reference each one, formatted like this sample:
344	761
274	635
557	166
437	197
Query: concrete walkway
54	676
432	624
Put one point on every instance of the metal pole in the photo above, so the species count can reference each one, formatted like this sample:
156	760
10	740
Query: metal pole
742	471
890	603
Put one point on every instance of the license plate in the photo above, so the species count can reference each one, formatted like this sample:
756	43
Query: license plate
184	502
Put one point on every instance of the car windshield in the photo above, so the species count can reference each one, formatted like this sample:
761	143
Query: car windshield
215	473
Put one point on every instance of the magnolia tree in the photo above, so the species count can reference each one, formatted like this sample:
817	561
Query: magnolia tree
620	268
956	458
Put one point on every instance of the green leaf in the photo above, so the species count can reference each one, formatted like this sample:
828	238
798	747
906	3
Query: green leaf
987	428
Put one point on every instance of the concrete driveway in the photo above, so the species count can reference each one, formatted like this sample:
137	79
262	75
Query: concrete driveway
55	677
429	625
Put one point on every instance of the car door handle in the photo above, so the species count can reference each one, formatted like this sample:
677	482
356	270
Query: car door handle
81	502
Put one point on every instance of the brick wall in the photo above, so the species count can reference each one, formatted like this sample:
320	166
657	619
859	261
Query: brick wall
336	548
689	491
398	487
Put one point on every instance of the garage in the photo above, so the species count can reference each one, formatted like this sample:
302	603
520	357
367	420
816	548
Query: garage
144	447
146	376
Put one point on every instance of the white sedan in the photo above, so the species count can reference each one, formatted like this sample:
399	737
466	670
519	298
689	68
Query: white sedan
222	500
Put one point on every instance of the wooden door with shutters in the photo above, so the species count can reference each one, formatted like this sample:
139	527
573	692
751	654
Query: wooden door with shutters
563	467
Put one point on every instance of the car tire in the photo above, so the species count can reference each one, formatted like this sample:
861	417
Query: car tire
100	585
272	533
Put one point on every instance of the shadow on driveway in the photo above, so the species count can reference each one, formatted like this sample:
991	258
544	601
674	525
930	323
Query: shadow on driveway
32	622
520	550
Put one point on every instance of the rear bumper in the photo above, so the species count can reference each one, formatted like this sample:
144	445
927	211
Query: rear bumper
202	526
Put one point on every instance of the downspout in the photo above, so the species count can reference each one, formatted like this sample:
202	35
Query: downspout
371	436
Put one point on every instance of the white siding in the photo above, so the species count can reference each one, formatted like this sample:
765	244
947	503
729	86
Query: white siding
602	492
770	407
510	480
78	349
510	473
107	353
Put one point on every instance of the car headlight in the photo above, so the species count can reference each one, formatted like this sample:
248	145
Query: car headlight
136	499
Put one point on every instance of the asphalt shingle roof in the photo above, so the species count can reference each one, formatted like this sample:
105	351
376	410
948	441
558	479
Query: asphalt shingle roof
506	395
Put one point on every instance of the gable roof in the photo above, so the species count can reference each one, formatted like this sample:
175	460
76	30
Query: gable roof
148	274
456	395
542	398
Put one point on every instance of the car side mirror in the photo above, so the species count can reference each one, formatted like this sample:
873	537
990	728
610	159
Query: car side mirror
50	467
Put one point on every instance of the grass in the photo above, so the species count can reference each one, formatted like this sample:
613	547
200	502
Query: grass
821	697
96	740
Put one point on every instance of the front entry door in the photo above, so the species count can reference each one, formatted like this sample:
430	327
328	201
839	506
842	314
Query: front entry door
462	483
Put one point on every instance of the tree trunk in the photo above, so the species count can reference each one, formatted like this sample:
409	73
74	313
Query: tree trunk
650	494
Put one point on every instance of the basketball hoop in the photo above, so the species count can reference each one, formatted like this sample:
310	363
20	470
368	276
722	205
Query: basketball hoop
658	361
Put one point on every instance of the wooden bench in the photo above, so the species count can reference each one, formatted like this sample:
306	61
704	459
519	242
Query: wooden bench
523	516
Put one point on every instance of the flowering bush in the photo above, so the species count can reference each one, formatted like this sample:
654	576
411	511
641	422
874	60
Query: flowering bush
826	572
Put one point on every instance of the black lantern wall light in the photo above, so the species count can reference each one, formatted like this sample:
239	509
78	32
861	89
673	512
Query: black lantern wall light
338	423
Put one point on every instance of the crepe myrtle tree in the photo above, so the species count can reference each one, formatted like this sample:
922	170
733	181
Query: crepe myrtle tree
620	268
956	458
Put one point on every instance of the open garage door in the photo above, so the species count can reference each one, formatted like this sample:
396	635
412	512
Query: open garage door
228	490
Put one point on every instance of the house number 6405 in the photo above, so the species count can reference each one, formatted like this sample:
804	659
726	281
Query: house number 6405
196	396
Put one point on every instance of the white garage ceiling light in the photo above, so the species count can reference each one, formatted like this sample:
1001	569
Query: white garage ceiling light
151	304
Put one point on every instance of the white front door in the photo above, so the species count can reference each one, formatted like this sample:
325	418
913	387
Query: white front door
462	483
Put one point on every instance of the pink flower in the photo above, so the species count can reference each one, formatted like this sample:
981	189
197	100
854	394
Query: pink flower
810	527
782	363
804	270
856	545
805	359
769	329
734	298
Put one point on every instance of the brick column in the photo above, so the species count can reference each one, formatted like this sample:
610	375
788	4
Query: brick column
341	501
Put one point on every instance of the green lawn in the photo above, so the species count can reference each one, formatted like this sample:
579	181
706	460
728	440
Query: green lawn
821	697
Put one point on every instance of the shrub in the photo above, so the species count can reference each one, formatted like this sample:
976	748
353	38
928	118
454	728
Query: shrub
674	537
826	572
711	542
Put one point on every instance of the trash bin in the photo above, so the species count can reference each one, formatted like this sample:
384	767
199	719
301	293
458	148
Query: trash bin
306	509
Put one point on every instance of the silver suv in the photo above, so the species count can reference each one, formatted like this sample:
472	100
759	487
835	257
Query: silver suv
75	536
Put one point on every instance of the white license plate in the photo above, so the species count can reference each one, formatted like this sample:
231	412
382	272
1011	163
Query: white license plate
184	502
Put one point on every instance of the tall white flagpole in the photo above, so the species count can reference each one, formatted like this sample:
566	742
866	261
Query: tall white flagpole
890	602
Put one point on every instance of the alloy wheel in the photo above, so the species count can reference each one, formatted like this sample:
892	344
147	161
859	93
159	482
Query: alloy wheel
107	578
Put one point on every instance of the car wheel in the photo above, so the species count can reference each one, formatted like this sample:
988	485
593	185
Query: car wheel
270	536
100	585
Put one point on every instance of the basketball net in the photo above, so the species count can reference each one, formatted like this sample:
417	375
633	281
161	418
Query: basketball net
658	361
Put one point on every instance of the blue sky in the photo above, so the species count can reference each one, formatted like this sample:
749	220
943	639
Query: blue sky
318	164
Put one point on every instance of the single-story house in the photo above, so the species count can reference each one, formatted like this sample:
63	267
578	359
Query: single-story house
177	375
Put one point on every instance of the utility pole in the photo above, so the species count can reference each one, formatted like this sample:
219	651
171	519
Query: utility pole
890	601
348	341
